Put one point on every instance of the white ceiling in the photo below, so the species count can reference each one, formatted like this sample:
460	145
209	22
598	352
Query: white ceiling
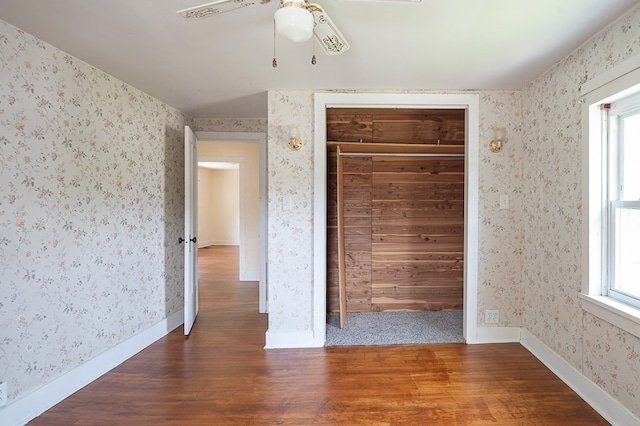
220	66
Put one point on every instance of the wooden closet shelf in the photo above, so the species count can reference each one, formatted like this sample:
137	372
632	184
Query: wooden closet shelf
395	148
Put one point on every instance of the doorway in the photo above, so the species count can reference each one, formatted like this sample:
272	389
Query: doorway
219	204
467	102
248	152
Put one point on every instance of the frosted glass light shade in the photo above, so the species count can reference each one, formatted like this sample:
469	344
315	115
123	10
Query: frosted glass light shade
294	23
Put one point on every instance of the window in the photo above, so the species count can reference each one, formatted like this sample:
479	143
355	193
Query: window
622	201
611	195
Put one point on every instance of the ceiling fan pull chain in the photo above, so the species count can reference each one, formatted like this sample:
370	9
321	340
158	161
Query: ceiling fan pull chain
274	63
313	51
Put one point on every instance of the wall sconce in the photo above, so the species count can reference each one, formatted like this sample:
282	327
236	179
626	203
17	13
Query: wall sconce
295	143
498	139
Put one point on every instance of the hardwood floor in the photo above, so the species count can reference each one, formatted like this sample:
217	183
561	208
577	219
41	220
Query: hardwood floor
221	375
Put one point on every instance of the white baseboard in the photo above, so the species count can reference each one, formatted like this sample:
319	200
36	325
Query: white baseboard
249	276
609	408
297	339
207	243
225	243
497	334
204	243
30	406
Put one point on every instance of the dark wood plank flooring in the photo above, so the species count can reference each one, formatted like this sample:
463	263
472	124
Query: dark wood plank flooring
221	375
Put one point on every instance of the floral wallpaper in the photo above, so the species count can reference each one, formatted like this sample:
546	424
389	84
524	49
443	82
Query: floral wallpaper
500	230
253	125
552	217
611	359
290	233
90	203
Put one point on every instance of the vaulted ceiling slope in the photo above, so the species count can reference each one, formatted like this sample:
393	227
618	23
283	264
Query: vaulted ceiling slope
221	66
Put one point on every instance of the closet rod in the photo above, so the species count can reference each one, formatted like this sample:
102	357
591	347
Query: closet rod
408	154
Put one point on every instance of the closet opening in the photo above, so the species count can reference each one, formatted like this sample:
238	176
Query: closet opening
395	226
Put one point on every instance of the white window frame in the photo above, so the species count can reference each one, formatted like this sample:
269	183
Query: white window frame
616	83
613	198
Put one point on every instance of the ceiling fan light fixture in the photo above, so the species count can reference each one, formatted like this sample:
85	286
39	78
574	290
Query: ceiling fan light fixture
294	21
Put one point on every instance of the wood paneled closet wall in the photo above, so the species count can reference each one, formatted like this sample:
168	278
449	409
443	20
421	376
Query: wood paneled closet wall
403	214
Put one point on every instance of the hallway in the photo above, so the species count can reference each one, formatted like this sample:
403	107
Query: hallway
221	375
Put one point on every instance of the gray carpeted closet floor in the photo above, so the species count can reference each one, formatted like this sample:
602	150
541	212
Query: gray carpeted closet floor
390	328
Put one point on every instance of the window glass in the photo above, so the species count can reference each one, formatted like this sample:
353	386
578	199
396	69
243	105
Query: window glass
630	153
627	251
623	247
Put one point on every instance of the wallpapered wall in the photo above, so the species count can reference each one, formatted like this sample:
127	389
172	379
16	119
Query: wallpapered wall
253	125
91	171
552	246
290	233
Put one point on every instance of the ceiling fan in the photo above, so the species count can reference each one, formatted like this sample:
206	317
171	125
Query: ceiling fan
296	20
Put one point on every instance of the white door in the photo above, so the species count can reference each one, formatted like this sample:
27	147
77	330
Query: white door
190	229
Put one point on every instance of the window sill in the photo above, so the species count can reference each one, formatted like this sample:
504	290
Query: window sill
622	316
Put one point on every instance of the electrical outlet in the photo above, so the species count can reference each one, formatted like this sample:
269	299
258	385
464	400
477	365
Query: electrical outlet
3	393
491	316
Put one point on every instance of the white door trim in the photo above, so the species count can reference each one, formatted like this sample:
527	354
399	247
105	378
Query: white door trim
469	102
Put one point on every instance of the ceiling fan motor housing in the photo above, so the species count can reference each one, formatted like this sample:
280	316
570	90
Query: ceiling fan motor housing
294	21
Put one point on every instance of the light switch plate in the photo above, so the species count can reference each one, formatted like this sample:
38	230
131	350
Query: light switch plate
504	201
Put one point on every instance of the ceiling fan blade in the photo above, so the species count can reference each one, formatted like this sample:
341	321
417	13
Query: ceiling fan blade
217	7
327	34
